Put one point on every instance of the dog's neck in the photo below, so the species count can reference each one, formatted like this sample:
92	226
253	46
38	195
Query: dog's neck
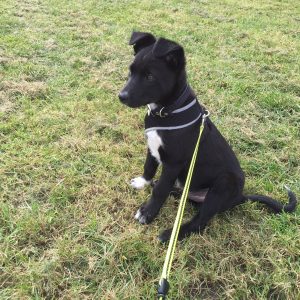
175	101
177	90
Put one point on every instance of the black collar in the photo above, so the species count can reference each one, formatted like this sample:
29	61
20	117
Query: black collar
164	111
184	112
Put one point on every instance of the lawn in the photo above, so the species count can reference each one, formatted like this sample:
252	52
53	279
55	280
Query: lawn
68	149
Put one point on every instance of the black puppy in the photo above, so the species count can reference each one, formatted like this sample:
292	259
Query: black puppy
158	79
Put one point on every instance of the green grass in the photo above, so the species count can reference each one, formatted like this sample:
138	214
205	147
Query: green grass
68	149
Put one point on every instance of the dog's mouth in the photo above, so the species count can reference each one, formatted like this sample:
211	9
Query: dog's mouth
131	103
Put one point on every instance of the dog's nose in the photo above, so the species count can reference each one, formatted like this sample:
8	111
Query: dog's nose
123	96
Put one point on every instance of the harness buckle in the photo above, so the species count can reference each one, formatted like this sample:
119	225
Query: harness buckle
160	113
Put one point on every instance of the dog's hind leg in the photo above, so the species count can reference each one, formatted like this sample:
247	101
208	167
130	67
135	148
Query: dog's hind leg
225	193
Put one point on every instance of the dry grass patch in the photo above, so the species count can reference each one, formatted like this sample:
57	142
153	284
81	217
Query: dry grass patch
30	89
5	104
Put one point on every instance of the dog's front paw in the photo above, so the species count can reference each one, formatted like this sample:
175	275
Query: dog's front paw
165	236
140	217
139	182
145	214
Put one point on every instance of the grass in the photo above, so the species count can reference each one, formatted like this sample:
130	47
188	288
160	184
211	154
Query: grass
68	149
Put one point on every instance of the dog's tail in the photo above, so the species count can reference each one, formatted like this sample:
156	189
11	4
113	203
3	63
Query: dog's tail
274	204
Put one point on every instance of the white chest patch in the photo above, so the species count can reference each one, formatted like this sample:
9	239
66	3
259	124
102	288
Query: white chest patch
154	142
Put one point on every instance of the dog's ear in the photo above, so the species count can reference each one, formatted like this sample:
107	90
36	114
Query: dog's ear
140	40
172	52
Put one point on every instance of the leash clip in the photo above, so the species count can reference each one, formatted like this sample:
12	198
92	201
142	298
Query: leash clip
205	115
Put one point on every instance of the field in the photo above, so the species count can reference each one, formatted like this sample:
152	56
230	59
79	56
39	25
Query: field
68	149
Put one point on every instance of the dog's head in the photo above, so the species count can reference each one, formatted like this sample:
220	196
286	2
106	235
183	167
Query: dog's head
157	67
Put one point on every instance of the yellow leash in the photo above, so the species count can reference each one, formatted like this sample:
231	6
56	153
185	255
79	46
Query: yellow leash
163	282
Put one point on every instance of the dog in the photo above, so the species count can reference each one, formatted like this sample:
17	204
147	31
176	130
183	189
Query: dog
158	79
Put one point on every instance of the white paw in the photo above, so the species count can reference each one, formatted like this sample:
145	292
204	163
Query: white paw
138	216
139	182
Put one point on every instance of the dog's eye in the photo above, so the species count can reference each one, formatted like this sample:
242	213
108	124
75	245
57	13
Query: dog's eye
149	76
